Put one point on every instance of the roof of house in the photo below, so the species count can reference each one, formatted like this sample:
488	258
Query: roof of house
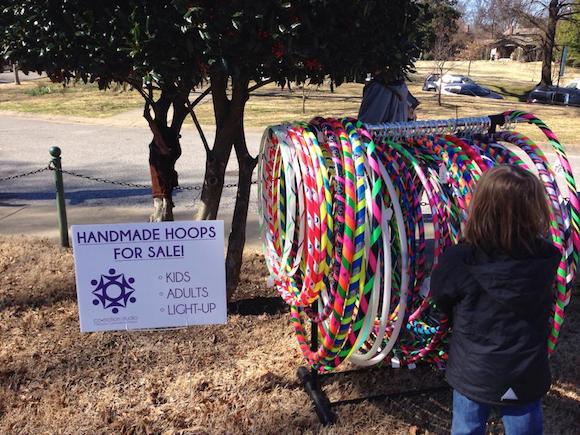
522	31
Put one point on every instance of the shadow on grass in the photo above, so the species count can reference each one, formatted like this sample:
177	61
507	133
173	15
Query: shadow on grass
25	300
420	398
432	413
33	298
521	97
299	96
258	305
428	413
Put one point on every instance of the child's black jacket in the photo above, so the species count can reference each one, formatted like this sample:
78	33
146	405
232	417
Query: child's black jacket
499	307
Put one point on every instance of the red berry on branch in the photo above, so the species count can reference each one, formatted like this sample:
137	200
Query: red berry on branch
278	50
312	64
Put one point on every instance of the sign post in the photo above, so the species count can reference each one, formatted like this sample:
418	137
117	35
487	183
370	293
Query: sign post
563	60
150	275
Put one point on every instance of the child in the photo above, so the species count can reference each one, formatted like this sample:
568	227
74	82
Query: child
497	289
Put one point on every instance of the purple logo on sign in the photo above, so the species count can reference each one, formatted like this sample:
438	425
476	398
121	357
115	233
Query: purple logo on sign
113	291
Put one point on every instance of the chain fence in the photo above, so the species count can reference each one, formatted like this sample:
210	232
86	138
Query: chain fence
51	167
197	188
26	174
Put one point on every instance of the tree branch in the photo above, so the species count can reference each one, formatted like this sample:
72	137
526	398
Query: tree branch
219	83
199	98
240	91
567	15
260	84
163	103
534	21
190	107
198	126
147	111
157	135
139	89
179	114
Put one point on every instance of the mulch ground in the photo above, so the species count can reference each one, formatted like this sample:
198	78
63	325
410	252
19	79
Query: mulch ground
234	378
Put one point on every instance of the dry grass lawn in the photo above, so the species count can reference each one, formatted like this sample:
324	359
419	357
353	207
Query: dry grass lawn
272	105
43	97
235	378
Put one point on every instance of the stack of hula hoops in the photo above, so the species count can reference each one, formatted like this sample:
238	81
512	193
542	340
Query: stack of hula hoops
354	217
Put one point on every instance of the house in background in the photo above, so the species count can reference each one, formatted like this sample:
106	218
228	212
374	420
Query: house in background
523	44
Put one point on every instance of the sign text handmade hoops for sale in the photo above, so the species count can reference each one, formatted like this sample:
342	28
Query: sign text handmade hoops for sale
150	275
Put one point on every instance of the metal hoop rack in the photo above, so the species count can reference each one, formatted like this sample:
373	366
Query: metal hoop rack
310	378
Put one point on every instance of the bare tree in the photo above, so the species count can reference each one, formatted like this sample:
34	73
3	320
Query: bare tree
545	16
442	52
445	49
444	31
496	16
474	49
16	76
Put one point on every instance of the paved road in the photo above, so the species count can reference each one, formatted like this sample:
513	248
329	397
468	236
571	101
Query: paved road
115	153
8	77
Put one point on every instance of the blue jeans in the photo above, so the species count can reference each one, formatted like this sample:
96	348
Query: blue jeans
470	418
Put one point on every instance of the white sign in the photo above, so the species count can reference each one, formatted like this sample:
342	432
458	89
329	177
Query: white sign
150	275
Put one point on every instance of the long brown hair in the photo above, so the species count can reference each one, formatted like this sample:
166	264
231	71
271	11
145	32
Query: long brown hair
509	209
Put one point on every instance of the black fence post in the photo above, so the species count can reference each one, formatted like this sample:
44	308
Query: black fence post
60	202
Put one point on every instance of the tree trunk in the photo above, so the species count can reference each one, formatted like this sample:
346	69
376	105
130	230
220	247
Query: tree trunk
213	182
216	158
549	40
228	114
16	76
440	87
164	150
237	238
163	175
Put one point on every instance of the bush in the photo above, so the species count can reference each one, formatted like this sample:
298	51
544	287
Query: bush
39	90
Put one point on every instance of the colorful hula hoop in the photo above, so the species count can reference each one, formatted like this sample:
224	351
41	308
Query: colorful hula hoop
345	215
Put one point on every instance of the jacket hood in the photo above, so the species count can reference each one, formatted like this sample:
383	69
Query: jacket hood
400	90
520	283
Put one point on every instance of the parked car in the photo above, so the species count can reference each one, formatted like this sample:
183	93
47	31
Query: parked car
433	81
471	89
430	83
456	78
568	95
459	85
